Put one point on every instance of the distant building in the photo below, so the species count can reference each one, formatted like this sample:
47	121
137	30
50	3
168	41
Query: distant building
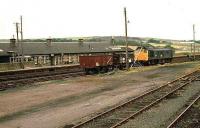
186	42
53	53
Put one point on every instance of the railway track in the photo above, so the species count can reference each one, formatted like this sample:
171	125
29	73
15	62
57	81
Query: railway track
190	111
15	78
119	115
181	59
35	74
11	81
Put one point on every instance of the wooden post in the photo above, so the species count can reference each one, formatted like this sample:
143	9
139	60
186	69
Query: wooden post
21	37
126	40
194	39
17	31
22	50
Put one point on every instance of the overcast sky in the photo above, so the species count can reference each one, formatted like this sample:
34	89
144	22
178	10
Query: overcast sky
171	19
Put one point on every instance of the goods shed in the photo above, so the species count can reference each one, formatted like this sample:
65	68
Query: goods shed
53	53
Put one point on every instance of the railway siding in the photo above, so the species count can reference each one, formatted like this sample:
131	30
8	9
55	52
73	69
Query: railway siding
161	115
15	78
121	114
28	77
131	84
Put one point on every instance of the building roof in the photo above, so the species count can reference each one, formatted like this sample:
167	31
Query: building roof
40	48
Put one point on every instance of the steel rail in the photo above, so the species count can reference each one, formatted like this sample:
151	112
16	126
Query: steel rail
181	115
9	84
36	74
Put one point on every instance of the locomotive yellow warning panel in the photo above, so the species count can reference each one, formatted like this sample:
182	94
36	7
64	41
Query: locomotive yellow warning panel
141	55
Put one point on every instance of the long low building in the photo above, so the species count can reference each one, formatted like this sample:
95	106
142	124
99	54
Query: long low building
53	53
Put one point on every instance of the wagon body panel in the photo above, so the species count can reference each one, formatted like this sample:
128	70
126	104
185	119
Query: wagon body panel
95	61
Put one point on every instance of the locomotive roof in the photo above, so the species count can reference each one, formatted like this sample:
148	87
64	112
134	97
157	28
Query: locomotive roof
155	49
159	49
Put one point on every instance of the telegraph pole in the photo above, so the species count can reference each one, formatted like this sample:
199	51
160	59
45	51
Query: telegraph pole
21	36
194	39
22	51
126	40
17	31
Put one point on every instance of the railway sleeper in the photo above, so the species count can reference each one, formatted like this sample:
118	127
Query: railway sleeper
122	114
104	123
